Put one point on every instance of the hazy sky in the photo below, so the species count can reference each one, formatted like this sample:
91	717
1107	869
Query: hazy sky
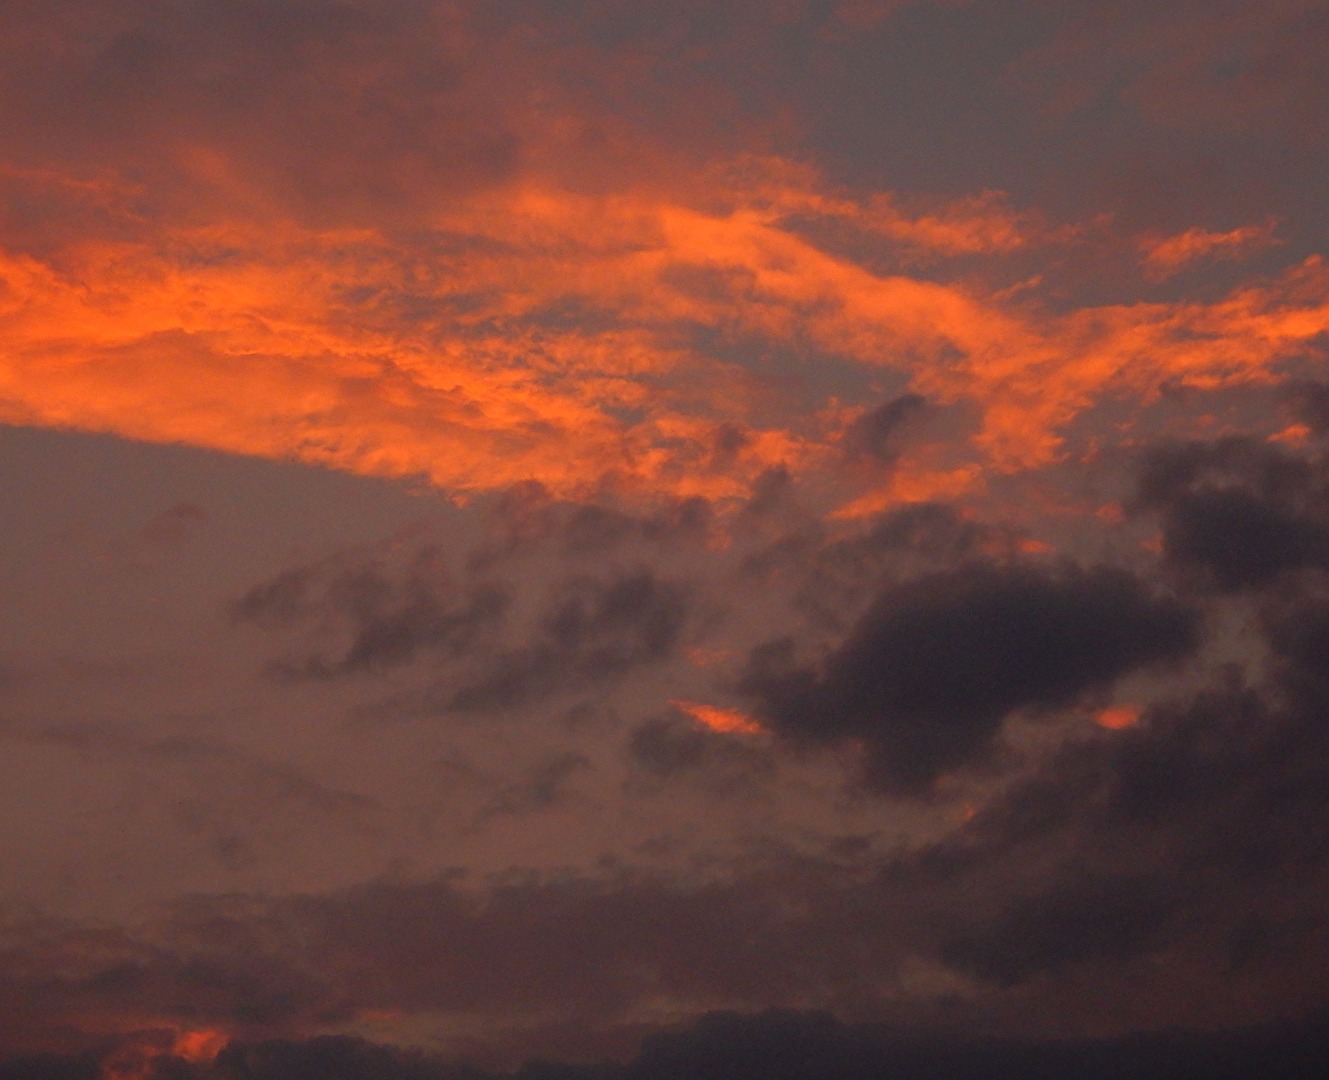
528	525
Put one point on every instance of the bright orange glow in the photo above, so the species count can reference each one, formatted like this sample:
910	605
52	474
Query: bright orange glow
344	348
913	485
1293	435
1118	717
135	1058
201	1045
728	721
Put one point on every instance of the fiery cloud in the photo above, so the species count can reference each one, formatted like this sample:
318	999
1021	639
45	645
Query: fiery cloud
725	721
1164	257
449	358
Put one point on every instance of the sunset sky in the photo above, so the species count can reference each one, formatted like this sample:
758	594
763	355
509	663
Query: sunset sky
723	539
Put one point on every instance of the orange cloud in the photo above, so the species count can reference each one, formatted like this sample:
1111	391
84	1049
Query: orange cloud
1118	717
727	721
535	333
136	1057
1163	257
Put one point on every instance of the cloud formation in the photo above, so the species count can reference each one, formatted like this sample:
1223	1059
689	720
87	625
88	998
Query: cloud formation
926	676
838	523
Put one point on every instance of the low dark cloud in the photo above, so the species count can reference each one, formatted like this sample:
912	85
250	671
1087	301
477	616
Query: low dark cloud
1236	513
776	1045
1192	848
834	571
928	673
331	1058
1080	917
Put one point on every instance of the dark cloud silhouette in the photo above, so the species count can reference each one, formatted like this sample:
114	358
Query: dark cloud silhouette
332	1058
781	1045
801	1046
1236	513
928	673
835	571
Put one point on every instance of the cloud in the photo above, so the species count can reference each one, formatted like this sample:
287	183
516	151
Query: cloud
398	294
876	433
664	749
772	1045
572	263
1079	918
204	96
928	673
1163	257
1236	513
590	632
1232	70
1184	848
334	1057
385	615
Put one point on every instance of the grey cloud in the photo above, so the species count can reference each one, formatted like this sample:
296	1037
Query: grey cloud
667	748
385	614
591	630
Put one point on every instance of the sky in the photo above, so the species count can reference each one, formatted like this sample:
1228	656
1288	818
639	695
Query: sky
605	540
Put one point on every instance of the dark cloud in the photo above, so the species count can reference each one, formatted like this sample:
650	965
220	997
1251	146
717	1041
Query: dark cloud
526	518
1192	848
1079	918
769	490
876	434
803	1046
781	1045
332	1058
592	630
1310	402
1298	630
382	614
835	570
926	676
49	1067
1236	513
590	528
